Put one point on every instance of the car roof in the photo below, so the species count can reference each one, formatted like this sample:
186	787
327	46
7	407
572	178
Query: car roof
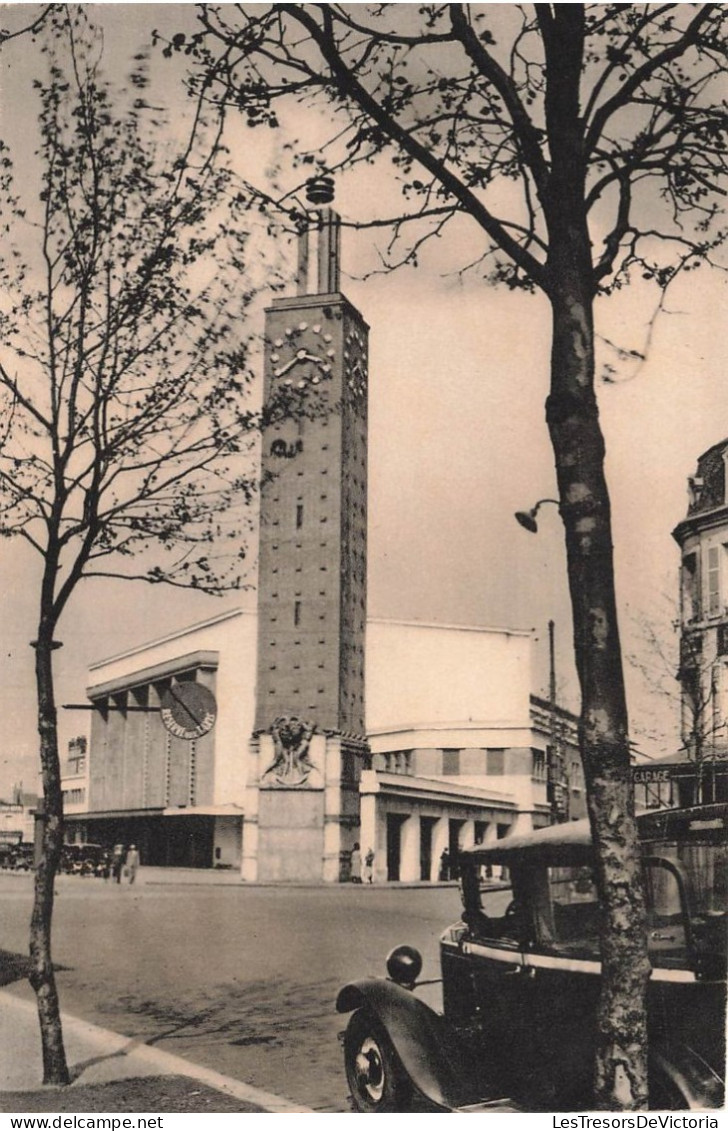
571	841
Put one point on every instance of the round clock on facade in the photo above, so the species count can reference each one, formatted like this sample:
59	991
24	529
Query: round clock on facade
189	710
289	354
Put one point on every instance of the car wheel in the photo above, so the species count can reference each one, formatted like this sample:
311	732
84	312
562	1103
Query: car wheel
376	1079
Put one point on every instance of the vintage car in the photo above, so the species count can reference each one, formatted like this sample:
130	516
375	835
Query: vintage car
85	859
22	858
520	980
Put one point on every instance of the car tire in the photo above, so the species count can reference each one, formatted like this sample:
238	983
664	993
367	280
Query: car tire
377	1081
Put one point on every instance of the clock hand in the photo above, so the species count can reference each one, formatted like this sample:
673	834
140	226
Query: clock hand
284	368
302	355
184	706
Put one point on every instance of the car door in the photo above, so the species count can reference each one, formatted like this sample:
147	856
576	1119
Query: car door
491	989
561	986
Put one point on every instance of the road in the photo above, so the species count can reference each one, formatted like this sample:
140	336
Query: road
241	979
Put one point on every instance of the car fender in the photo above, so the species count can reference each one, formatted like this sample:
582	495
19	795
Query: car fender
686	1070
431	1055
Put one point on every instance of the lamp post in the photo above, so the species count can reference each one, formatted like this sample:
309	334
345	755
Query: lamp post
556	786
527	519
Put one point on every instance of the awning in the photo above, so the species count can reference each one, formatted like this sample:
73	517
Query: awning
113	815
228	810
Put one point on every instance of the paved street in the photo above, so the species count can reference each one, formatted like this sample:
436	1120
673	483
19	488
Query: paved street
240	979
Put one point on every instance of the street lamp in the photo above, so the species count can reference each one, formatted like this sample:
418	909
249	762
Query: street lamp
527	519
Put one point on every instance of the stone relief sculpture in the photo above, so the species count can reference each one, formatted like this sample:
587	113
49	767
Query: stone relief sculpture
291	765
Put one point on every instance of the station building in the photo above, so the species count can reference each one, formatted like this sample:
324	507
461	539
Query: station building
457	752
275	740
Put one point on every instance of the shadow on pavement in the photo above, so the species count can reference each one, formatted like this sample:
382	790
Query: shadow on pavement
152	1094
15	967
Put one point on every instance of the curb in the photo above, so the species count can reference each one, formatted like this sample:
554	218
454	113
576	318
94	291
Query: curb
390	885
166	1063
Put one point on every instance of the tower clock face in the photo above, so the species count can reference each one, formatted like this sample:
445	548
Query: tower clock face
189	710
355	363
303	356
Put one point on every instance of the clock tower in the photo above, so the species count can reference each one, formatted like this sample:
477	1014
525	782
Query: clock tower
309	746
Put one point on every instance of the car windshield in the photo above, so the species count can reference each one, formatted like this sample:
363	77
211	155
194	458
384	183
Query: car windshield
556	907
704	867
687	891
571	915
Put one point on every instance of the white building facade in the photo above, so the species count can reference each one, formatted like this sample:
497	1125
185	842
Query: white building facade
458	750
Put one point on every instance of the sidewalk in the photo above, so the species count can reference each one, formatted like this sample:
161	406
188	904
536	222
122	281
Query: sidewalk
149	876
111	1072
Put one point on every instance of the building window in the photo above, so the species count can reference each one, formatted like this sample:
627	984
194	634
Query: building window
716	696
495	761
74	796
538	766
299	515
713	581
451	762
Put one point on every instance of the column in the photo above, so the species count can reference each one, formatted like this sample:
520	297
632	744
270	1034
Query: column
523	823
369	831
331	758
409	865
249	852
490	836
440	841
467	835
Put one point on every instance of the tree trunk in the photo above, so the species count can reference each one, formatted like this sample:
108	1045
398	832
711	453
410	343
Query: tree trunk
572	414
42	978
620	1074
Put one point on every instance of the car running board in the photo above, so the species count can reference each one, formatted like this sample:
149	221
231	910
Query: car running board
503	1104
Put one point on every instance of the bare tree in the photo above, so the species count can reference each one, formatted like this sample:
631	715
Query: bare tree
585	147
31	28
125	446
680	675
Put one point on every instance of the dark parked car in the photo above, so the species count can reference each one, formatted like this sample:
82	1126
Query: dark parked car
22	858
85	859
520	980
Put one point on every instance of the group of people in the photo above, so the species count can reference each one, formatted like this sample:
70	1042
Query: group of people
124	862
361	868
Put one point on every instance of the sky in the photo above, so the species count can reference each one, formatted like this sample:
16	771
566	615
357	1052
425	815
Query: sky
457	444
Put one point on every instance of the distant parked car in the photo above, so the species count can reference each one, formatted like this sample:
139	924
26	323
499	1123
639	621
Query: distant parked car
84	859
521	978
22	858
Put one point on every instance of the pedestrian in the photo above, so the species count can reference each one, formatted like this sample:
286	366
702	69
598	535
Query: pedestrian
117	862
132	862
355	864
369	866
444	865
